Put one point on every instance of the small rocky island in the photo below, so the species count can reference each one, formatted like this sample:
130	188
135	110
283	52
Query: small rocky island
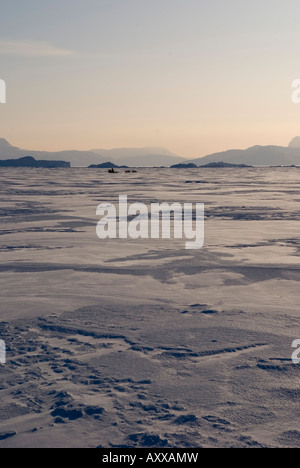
107	165
184	166
29	161
222	164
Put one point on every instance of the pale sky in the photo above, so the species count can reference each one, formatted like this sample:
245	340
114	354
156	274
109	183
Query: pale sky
194	76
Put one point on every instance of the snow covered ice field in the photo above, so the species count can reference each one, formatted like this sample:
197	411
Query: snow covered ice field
142	343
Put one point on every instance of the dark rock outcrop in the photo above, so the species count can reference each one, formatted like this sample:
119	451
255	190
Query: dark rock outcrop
106	165
29	161
222	164
184	166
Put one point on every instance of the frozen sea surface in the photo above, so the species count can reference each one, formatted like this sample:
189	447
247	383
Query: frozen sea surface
142	343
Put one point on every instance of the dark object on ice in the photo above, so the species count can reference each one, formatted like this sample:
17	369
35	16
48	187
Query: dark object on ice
29	161
209	312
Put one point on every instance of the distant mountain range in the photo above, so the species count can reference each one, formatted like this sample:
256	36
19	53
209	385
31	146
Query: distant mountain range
212	165
141	157
152	156
76	158
255	156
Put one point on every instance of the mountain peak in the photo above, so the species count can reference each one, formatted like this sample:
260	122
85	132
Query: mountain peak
295	142
5	143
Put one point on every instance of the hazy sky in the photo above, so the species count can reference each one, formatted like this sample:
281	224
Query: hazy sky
195	76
